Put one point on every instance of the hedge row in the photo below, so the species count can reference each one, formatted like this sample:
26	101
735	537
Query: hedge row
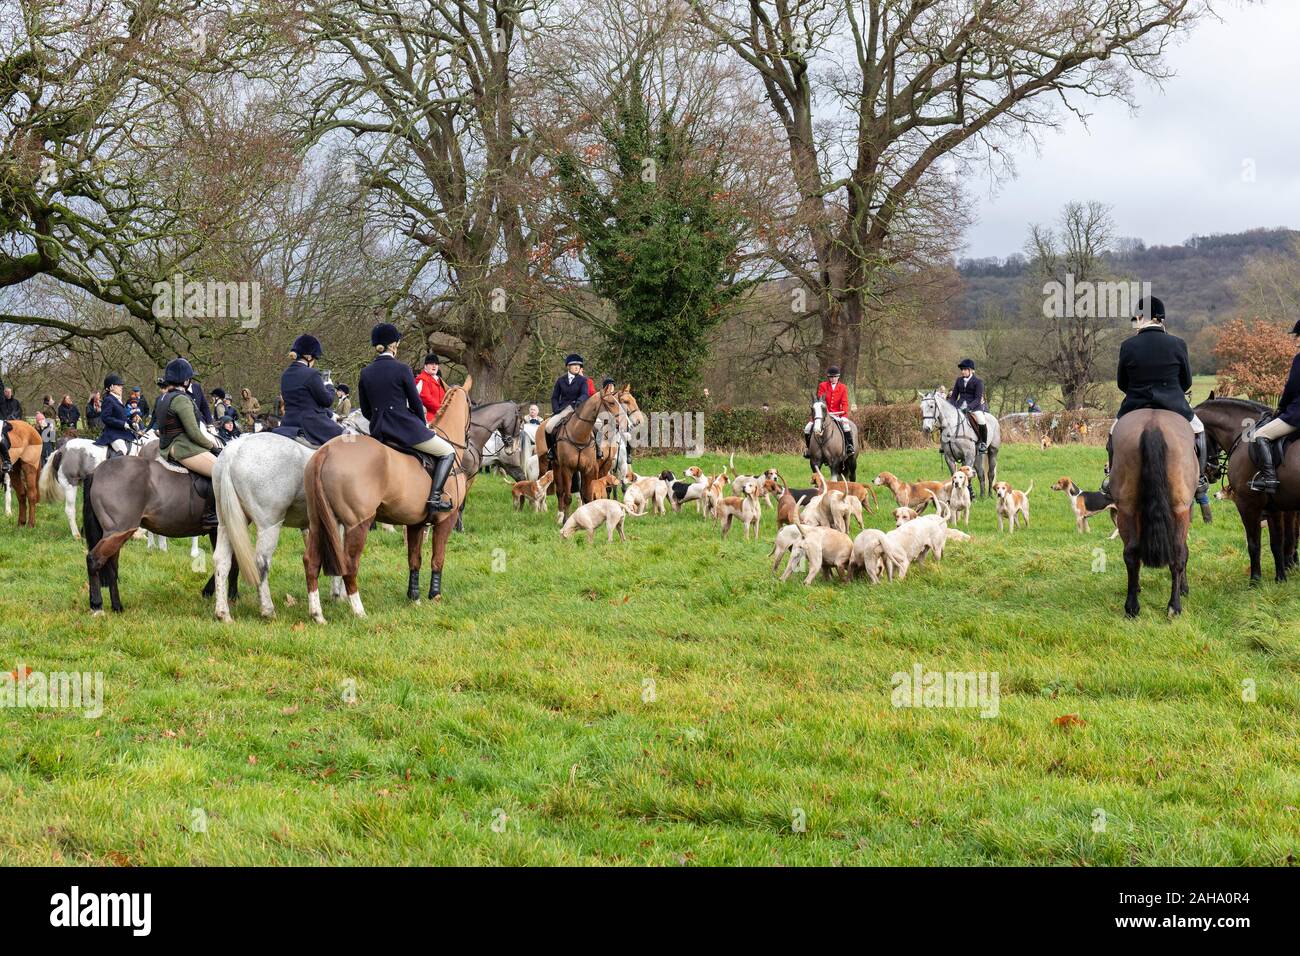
780	430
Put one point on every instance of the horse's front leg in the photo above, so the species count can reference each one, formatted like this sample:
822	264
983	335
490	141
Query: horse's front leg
70	507
414	542
441	534
1250	516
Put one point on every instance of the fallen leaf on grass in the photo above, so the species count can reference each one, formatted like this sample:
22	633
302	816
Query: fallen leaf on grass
289	600
289	711
1070	721
27	671
252	759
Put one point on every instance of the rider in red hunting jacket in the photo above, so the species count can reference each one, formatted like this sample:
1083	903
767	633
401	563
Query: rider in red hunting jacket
431	387
836	396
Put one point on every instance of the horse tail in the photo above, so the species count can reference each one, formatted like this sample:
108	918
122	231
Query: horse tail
49	484
1157	540
323	536
234	521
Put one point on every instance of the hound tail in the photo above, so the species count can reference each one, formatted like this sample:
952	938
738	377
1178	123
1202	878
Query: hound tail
234	522
1157	540
50	487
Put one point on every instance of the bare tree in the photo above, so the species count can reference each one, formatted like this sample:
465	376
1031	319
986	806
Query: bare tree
915	88
1076	328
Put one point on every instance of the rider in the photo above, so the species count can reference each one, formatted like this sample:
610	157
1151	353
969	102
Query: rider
968	396
571	390
1155	372
307	396
432	388
836	396
117	435
391	403
179	436
1286	422
345	401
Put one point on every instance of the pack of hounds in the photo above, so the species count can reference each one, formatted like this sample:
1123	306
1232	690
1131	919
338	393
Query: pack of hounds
814	523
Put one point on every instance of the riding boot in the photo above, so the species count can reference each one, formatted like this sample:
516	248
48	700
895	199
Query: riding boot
982	445
1202	458
438	502
1206	515
1110	458
5	464
849	449
807	445
1265	479
203	485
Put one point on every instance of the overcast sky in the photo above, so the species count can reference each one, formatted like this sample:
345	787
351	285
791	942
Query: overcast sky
1177	167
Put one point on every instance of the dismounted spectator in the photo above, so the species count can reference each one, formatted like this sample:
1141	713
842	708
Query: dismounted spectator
69	414
219	404
345	401
249	408
10	407
46	427
94	408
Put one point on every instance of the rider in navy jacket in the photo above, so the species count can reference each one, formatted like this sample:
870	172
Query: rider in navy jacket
307	397
113	414
391	403
573	387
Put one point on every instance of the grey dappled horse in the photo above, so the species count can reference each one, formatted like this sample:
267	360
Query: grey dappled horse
957	440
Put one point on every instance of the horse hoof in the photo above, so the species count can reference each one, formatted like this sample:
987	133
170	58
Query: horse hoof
318	618
96	612
224	618
437	599
268	613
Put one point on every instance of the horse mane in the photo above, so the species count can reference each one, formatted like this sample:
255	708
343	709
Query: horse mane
1239	403
445	408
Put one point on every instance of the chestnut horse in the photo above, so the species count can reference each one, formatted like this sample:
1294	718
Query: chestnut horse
25	455
1153	484
615	429
354	480
575	446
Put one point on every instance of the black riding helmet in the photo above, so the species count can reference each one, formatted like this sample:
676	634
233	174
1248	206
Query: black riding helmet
113	379
1150	309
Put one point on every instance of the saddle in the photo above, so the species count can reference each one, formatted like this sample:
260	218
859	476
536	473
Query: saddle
427	462
1280	444
297	435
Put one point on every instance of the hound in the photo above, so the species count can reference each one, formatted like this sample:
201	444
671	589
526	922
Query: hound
917	538
874	554
534	491
910	494
746	508
1085	504
1012	503
693	490
865	494
607	511
1045	442
787	510
825	549
959	497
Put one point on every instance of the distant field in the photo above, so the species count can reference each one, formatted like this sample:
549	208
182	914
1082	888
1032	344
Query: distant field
663	701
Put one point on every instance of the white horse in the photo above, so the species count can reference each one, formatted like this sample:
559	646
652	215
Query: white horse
258	478
957	439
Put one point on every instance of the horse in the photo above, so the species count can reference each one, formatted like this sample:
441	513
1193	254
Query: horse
957	440
25	457
69	466
1227	422
1153	483
615	432
827	446
354	480
125	494
575	447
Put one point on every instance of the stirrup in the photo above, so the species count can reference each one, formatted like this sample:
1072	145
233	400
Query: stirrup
1264	482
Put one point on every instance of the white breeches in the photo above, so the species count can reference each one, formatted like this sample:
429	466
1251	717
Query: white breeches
120	447
555	419
1272	430
435	445
846	422
1198	426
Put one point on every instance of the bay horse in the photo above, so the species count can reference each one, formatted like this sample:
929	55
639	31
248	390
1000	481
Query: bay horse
1227	423
826	446
354	480
1153	483
575	447
125	494
958	443
25	457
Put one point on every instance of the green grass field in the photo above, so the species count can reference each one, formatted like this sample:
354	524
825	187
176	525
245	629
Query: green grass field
663	701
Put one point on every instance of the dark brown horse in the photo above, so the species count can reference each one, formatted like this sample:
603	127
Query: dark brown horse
575	446
125	494
355	480
1153	483
1227	422
25	456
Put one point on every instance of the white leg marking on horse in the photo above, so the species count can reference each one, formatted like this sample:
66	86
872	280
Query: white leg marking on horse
355	600
313	607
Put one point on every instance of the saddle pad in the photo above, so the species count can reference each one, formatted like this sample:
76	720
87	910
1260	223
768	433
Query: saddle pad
172	466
